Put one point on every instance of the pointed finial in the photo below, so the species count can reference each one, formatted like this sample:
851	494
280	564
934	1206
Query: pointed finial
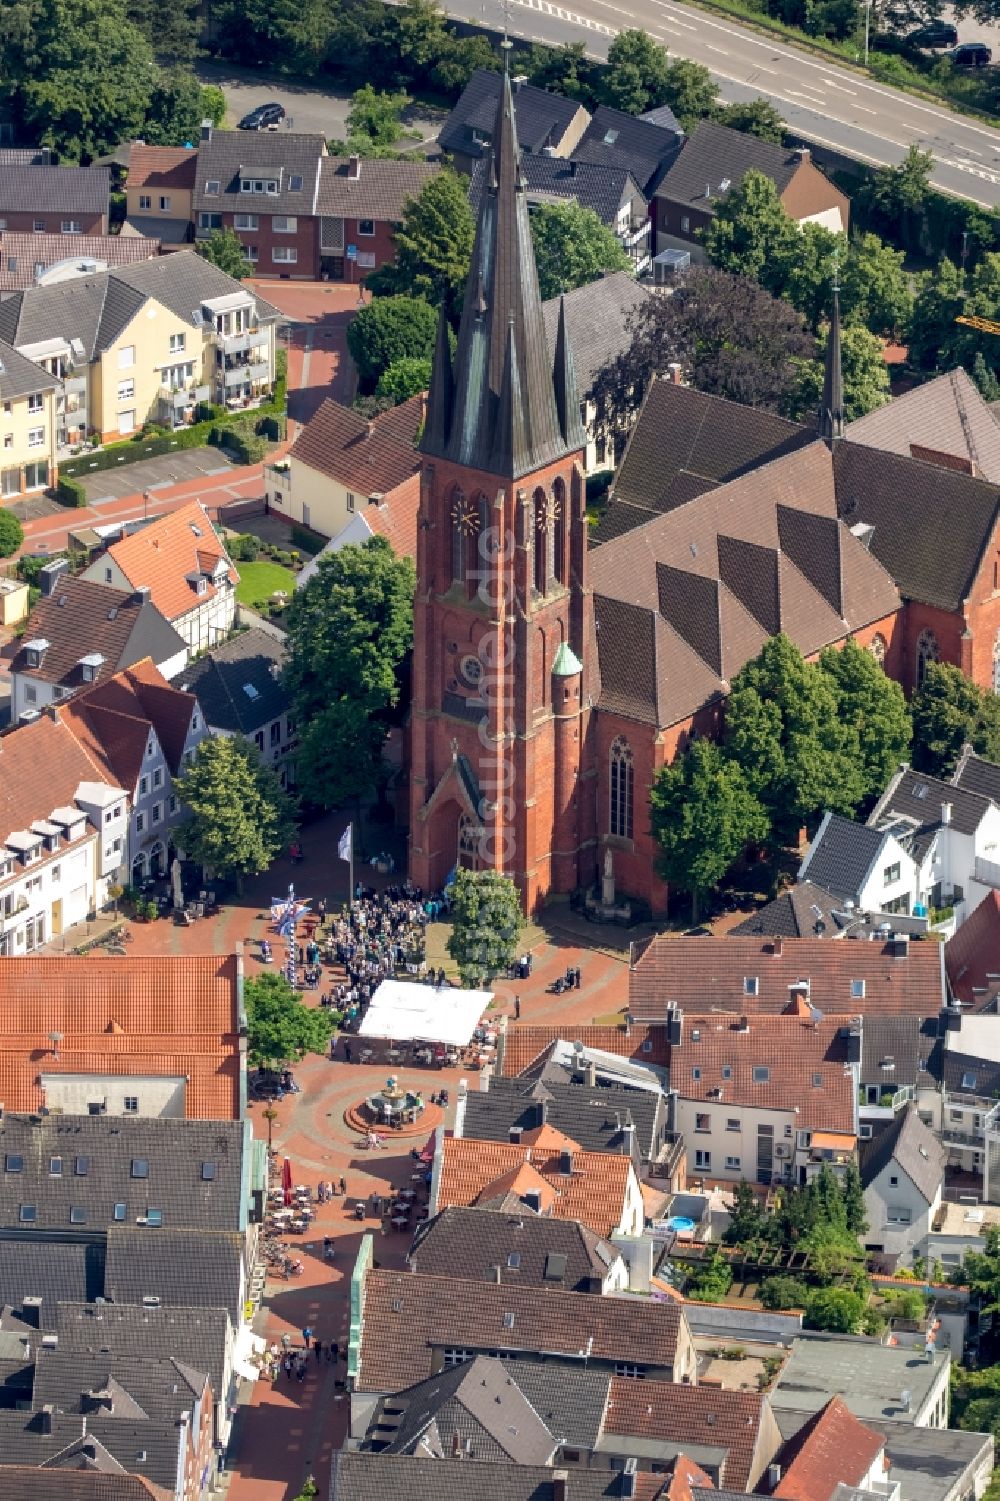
831	412
506	44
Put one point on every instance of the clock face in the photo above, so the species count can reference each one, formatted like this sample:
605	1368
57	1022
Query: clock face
547	515
465	516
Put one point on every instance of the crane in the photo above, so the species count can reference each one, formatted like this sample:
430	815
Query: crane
983	325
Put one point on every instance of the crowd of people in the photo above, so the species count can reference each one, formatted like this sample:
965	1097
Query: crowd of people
382	934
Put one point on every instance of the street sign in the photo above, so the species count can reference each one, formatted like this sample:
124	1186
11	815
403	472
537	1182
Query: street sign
352	252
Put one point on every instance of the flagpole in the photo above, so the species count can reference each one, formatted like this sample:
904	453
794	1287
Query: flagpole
350	898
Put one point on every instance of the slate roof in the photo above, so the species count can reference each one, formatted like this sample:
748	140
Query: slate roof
101	1158
797	913
542	118
833	1448
407	1316
972	955
905	1042
219	678
914	1148
49	1269
232	153
703	974
694	1417
143	1263
525	1045
570	1400
361	1476
719	1058
644	147
964	1073
595	1118
364	456
108	1444
716	155
160	556
685	601
843	855
597	322
603	188
529	1250
594	1191
911	806
22	253
168	1016
195	1335
162	167
976	775
80	618
20	376
931	525
67	190
944	419
149	228
380	192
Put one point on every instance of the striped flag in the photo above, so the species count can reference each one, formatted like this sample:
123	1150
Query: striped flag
346	840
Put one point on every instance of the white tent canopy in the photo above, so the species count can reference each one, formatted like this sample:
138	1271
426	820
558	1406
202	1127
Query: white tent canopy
404	1012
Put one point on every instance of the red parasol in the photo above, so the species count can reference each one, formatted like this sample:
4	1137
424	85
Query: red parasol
427	1155
286	1181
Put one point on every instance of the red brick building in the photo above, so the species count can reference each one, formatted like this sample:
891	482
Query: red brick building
360	204
263	185
55	200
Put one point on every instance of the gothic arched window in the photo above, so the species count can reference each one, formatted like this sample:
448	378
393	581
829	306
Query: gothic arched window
540	523
463	518
877	647
927	651
559	571
996	663
622	785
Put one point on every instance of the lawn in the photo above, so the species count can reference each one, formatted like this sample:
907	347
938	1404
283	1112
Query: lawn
258	581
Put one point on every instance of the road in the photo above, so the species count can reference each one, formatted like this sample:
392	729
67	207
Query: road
821	101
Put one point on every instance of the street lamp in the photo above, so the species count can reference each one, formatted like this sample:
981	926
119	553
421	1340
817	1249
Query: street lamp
868	19
145	504
270	1115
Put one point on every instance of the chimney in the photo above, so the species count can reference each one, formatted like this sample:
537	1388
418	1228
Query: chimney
560	1485
900	945
140	596
206	130
773	1477
542	1111
533	1200
628	1481
566	1162
518	80
629	1138
354	166
456	1445
515	1135
802	153
50	575
945	814
572	169
675	373
776	947
591	1074
46	1417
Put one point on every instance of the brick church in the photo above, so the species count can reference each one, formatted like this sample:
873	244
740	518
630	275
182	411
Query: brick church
557	666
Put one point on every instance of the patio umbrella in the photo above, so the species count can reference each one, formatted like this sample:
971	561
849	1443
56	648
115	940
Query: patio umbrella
286	1181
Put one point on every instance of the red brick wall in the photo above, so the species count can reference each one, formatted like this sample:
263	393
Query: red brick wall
983	617
381	244
305	240
90	224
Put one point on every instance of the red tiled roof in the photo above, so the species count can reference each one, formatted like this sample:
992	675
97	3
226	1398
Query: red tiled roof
702	974
972	957
161	555
368	457
395	518
834	1448
684	1475
25	795
160	1015
162	167
21	252
523	1045
595	1192
113	720
695	1415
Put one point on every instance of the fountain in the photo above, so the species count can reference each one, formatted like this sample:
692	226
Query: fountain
393	1104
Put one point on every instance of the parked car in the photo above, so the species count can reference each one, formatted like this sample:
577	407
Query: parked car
263	117
934	34
970	55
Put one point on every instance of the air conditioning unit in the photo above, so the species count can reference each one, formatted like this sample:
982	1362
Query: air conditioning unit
782	1149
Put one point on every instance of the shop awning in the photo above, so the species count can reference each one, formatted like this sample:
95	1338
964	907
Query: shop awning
405	1012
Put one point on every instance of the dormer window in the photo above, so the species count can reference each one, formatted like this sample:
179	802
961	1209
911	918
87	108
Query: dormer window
90	666
34	650
212	188
201	584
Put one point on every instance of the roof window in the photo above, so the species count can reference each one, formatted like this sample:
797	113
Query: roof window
207	1172
968	1081
14	1162
761	1075
857	990
140	1167
751	985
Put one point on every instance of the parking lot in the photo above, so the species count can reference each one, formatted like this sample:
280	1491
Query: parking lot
153	474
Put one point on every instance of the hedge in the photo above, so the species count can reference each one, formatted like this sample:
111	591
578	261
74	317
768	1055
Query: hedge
308	541
70	491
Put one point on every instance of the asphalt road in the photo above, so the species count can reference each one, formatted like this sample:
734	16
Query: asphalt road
822	102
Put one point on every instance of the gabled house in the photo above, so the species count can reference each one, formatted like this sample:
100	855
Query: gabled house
360	203
545	122
833	1449
55	200
28	425
525	1250
239	689
944	421
972	956
142	733
902	1171
974	774
866	868
805	910
158	194
602	1117
182	561
263	185
81	633
645	146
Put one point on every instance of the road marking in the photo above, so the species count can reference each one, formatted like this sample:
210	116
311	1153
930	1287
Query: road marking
842	86
710	48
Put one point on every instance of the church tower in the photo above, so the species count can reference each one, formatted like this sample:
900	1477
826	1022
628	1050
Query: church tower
831	407
503	626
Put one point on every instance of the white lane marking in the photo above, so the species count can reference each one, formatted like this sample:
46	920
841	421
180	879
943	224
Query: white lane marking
841	86
720	50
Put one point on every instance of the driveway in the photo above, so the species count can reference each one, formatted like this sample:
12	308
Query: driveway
153	474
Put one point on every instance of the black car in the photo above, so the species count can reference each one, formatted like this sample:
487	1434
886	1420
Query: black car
970	55
934	34
262	117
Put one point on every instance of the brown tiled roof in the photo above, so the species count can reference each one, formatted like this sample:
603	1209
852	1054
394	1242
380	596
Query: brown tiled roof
113	719
366	457
945	417
972	957
407	1316
162	167
80	617
702	974
380	191
685	1474
395	518
796	1053
834	1448
157	1015
25	794
524	1045
698	591
594	1192
695	1415
21	252
54	1482
161	555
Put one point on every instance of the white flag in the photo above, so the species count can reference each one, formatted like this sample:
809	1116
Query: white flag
344	847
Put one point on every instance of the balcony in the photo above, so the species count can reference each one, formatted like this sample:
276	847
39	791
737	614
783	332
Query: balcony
241	343
245	375
75	385
178	400
986	872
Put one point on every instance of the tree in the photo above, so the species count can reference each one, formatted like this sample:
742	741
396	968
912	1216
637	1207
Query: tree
985	379
177	106
486	924
691	92
375	121
573	247
172	31
836	1309
751	233
563	70
783	729
755	117
939	299
731	337
291	34
280	1027
390	329
703	816
637	72
711	1279
420	37
961	344
746	1218
11	534
783	1292
948	711
460	58
225	250
238	815
433	243
894	199
874	288
403	379
865	373
349	631
807	272
873	707
854	1200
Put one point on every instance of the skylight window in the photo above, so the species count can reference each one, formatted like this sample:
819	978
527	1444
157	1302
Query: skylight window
610	137
761	1075
250	690
968	1081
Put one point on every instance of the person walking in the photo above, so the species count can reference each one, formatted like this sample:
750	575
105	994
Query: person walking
318	1350
347	1052
333	1352
517	1008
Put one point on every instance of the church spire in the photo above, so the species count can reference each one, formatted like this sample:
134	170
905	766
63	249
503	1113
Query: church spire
441	396
831	411
564	382
502	357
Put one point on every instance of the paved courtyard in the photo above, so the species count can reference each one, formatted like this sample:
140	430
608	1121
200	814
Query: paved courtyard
154	474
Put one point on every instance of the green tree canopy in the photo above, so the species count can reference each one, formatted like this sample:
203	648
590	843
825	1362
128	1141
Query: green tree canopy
703	816
755	117
177	106
939	299
172	31
338	754
375	120
873	707
388	329
711	1279
11	534
752	234
836	1309
784	730
238	815
691	92
948	710
433	243
486	924
636	76
403	379
460	57
874	288
225	250
865	373
563	70
281	1028
573	247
